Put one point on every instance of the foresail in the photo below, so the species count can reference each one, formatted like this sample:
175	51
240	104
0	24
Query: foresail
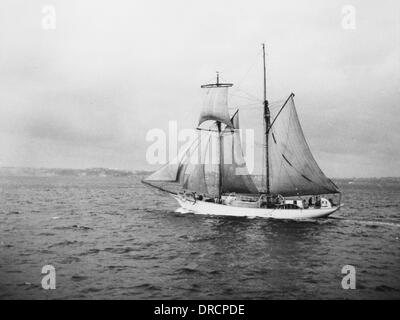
235	176
293	169
167	173
192	174
194	169
172	171
215	105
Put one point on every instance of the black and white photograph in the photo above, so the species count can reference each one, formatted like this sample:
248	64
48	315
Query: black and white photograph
201	151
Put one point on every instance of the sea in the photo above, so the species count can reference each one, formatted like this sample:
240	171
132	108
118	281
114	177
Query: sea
111	237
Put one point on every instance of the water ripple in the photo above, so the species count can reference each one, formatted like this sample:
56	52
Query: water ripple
114	238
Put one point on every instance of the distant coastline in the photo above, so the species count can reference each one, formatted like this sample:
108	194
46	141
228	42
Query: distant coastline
106	172
50	172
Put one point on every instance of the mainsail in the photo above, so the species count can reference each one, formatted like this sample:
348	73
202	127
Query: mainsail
293	168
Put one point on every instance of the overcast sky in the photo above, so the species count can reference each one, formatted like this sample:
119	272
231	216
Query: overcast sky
85	93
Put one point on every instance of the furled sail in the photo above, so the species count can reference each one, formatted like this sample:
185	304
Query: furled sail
215	104
235	176
293	169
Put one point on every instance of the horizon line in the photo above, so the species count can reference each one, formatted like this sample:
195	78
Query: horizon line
147	170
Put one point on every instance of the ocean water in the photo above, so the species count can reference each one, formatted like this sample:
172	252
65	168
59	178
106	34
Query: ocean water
112	237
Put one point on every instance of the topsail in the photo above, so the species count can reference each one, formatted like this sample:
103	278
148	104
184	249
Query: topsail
215	104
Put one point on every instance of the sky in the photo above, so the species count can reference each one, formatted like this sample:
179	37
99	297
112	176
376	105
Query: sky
82	90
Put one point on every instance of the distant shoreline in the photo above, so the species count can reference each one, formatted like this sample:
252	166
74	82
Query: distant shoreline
51	172
106	172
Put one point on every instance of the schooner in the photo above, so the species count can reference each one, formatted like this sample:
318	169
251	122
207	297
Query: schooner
213	176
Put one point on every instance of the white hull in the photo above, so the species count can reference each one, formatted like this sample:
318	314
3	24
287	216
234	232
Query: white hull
210	208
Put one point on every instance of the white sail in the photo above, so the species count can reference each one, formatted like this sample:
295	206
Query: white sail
192	173
167	173
172	171
192	169
293	169
215	104
235	176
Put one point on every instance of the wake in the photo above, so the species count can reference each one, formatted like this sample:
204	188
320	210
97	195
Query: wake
369	222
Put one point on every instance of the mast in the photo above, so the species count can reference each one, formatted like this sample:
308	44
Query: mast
214	110
220	161
267	121
219	153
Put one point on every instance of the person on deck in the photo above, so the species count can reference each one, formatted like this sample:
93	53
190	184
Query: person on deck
317	202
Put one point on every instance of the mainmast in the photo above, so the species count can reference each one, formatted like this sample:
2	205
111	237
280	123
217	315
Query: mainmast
220	160
219	152
267	121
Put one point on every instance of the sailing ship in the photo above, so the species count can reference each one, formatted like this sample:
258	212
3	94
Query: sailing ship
211	176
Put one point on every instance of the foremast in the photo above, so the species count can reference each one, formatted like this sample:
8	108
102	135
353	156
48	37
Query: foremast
219	132
219	152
